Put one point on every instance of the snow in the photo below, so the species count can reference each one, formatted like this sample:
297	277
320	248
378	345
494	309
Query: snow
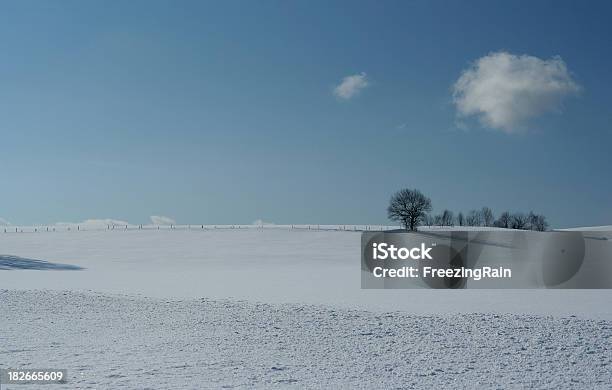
592	229
126	343
262	265
273	307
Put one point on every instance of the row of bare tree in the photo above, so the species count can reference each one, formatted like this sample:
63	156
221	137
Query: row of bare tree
411	208
486	217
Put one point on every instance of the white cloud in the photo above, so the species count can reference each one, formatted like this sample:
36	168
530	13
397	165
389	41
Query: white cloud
351	86
93	223
4	222
504	90
161	220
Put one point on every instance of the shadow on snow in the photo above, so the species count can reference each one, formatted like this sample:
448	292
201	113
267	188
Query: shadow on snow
8	262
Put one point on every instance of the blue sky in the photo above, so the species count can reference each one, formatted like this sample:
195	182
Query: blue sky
225	112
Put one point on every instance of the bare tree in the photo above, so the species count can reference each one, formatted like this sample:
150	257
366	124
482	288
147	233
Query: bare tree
487	216
473	218
519	221
437	219
409	207
447	218
541	223
537	222
460	219
428	220
531	219
504	220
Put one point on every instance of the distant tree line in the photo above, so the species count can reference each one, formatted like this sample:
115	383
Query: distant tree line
411	208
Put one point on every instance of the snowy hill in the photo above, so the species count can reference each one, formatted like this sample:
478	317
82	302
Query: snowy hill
275	307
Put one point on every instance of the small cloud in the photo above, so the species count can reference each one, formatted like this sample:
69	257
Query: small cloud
93	223
4	222
402	126
351	86
504	91
260	222
161	220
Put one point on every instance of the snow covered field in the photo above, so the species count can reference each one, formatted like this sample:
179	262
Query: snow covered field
138	343
267	265
275	308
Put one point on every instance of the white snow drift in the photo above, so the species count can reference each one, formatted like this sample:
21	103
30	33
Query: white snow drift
161	220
